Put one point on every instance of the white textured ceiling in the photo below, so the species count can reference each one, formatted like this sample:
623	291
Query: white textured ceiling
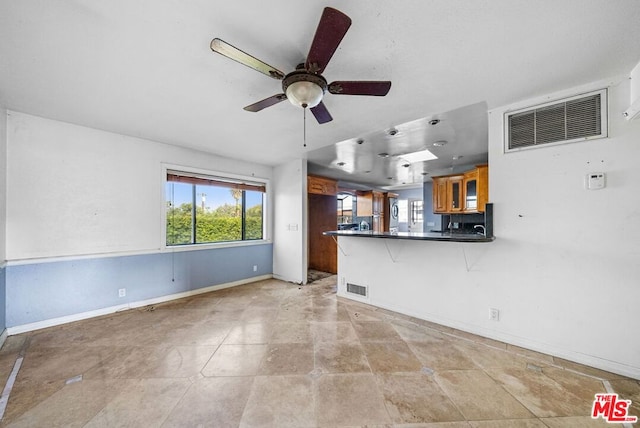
144	68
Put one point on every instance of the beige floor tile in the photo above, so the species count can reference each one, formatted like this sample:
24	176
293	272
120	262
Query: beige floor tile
346	357
333	332
25	395
203	333
350	399
412	332
145	402
581	368
443	355
73	405
235	360
629	389
459	424
510	423
583	387
479	397
291	332
577	422
200	361
542	395
280	401
51	364
372	331
411	398
391	357
254	314
180	361
249	333
335	313
129	362
287	358
212	402
147	362
13	344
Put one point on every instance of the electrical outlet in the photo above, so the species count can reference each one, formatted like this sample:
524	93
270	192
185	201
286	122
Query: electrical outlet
255	268
122	292
494	314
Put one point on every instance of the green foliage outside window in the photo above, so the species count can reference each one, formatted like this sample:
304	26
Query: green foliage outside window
212	225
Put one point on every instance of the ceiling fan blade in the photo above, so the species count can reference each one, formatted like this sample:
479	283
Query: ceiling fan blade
331	29
224	48
321	113
267	102
360	87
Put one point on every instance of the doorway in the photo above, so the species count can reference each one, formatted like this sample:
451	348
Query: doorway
415	215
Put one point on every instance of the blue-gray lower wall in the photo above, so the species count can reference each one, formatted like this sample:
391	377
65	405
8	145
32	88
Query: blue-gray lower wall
3	300
41	291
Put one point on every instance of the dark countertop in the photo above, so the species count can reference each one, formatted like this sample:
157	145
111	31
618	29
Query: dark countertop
416	236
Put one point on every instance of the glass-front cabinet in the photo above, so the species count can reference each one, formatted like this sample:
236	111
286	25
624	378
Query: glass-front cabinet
461	193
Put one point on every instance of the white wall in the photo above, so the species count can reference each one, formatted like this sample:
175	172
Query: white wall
290	221
564	270
3	184
73	190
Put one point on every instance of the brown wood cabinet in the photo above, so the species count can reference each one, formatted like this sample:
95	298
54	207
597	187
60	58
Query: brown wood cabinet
461	193
371	204
321	185
364	204
323	216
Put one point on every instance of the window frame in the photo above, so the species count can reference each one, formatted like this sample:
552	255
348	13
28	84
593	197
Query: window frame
216	176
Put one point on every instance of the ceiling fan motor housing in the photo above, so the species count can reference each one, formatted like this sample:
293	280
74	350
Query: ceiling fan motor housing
304	89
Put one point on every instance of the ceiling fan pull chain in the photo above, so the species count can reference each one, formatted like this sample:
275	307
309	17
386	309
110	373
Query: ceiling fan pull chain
304	126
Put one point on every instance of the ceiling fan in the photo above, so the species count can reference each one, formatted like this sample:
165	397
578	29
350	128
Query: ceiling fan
305	86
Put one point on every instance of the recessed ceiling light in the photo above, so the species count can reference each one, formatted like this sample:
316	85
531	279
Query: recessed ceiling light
390	178
360	141
406	165
425	173
393	131
457	157
367	172
341	164
434	121
440	143
383	155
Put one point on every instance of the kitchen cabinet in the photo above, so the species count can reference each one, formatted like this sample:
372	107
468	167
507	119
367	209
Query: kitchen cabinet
461	193
321	186
447	194
371	204
323	216
476	189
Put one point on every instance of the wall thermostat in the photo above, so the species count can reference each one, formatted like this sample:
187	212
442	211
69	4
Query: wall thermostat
595	180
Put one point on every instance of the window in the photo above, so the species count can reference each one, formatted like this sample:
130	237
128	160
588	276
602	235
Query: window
416	211
204	209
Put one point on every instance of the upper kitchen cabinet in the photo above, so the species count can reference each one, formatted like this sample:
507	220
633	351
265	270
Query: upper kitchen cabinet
370	203
476	189
322	186
461	193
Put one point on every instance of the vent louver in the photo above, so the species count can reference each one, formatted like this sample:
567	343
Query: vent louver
356	289
573	119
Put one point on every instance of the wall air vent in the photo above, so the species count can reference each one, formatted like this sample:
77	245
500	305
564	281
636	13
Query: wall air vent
356	289
579	118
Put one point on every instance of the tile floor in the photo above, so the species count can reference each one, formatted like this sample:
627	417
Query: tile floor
276	354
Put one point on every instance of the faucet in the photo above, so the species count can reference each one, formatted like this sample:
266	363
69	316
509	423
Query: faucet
483	232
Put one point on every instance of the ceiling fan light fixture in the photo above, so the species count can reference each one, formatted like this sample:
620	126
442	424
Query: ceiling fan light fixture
304	89
304	94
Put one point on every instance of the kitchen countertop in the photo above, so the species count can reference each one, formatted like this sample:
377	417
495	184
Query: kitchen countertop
417	236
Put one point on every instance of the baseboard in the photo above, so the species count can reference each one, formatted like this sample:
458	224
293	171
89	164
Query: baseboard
24	328
543	348
3	337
